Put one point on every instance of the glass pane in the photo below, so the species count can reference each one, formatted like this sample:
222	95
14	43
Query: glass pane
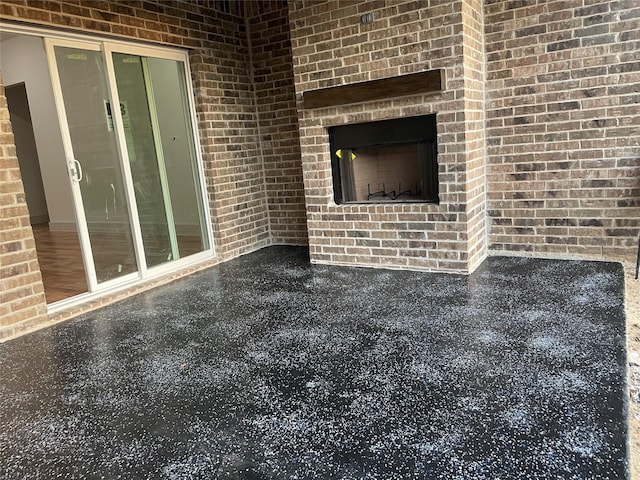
143	158
85	97
178	145
161	151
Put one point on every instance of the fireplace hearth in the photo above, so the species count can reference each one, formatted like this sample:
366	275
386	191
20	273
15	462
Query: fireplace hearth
385	161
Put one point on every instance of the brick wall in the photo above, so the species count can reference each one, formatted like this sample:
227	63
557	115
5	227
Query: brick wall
474	129
331	47
268	25
22	301
227	118
563	111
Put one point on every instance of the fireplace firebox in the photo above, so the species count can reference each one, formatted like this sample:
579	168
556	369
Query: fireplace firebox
385	161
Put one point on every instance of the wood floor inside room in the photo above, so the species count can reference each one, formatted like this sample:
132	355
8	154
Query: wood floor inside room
61	264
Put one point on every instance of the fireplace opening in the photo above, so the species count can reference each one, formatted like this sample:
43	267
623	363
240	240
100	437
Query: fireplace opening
386	161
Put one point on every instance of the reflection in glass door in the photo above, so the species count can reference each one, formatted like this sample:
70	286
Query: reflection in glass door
157	128
94	164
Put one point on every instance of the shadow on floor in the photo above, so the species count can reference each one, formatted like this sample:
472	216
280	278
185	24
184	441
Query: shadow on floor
269	367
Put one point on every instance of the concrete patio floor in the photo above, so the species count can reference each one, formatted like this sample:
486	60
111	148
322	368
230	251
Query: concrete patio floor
269	367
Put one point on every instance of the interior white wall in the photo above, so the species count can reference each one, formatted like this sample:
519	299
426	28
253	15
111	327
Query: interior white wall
23	59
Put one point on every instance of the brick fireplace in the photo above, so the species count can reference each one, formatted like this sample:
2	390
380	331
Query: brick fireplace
446	233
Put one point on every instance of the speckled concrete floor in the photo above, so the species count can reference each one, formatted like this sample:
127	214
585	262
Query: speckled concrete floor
269	367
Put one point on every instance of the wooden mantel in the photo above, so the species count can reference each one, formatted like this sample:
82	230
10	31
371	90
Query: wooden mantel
411	84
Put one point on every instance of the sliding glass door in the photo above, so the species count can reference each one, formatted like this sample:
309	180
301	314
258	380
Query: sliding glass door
134	168
157	128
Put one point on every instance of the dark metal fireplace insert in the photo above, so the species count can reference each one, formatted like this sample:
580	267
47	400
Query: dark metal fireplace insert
386	161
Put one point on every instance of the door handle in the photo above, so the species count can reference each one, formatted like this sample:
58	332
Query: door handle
75	169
